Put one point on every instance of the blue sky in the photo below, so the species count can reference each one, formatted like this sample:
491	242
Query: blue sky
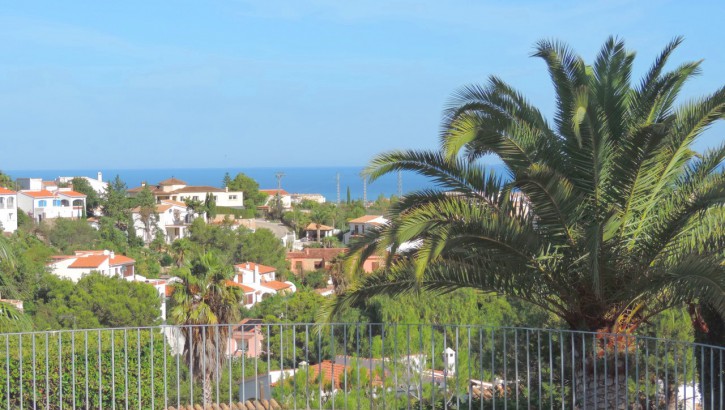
190	84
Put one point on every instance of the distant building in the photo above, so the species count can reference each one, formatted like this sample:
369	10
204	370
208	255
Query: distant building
310	232
312	259
246	339
174	189
107	263
97	183
8	210
284	196
298	198
359	226
50	202
173	221
258	282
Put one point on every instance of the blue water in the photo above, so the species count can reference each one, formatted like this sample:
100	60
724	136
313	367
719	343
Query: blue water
320	180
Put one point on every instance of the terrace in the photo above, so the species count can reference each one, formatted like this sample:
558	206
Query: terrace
354	366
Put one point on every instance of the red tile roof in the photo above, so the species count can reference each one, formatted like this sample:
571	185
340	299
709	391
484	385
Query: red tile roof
316	253
276	285
89	262
4	191
172	181
313	227
365	219
262	268
121	260
72	194
246	289
196	188
273	192
336	372
38	194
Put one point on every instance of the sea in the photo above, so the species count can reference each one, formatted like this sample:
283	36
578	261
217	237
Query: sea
311	180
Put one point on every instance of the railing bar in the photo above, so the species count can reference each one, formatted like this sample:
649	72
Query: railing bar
538	360
445	369
153	387
667	378
230	357
562	355
573	372
125	364
409	373
85	343
138	364
457	372
585	377
72	366
60	370
20	371
712	382
595	359
216	373
480	358
516	365
178	366
47	373
504	347
190	341
693	368
7	368
551	372
616	373
370	363
636	371
493	367
295	363
332	368
469	388
319	368
269	353
422	367
243	376
656	369
204	369
35	393
646	373
100	372
528	369
674	370
357	358
344	347
719	376
307	369
395	356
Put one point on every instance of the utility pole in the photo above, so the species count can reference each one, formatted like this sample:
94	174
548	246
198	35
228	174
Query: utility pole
365	192
338	188
279	176
400	184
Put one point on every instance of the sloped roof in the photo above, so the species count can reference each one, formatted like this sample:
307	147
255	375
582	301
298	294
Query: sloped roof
246	289
313	227
172	181
316	253
273	192
262	268
365	219
88	262
196	188
121	260
276	285
38	194
73	194
4	191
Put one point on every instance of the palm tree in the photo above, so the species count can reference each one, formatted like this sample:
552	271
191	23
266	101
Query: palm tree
202	300
604	217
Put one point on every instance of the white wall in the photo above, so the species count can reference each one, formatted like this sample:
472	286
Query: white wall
9	212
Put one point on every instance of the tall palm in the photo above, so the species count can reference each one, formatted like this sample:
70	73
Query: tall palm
202	300
604	217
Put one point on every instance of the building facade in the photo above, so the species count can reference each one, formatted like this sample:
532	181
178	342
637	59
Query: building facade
8	210
174	189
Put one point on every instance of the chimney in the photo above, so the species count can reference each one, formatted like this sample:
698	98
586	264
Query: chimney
247	267
100	176
113	254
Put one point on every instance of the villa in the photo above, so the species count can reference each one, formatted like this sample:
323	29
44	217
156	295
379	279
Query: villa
105	262
359	226
174	189
284	196
44	204
173	221
258	282
8	210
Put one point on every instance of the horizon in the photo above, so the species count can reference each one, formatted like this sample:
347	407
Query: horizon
241	84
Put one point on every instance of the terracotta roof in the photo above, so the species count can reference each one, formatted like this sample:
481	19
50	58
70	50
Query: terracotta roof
365	219
172	181
121	260
313	227
262	268
316	253
276	285
246	289
153	189
336	372
160	208
196	188
170	202
71	194
4	191
273	192
92	261
38	194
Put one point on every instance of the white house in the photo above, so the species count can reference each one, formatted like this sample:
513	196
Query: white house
298	198
173	220
97	183
46	204
359	226
284	196
259	282
105	262
8	210
174	189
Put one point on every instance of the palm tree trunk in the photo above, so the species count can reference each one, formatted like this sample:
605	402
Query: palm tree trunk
206	387
603	390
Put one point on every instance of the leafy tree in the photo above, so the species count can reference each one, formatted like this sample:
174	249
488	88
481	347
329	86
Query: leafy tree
263	247
70	235
250	187
95	301
146	203
609	215
6	181
203	298
93	200
210	206
297	220
319	216
116	206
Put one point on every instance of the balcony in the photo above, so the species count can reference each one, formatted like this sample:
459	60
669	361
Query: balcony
354	366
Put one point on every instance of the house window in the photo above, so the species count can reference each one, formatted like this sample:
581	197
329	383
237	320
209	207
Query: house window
196	198
10	216
2	202
42	203
56	202
11	202
232	197
250	298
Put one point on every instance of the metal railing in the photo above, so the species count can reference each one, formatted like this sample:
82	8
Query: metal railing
354	366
